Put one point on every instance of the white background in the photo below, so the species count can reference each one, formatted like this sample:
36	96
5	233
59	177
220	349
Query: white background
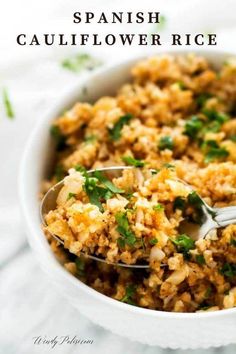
34	78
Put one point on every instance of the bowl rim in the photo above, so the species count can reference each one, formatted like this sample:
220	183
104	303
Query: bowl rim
37	239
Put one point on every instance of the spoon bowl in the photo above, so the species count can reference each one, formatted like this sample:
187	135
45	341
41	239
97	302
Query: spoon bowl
212	218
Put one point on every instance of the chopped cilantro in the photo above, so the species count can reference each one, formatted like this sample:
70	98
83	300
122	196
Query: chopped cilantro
166	142
233	242
106	182
233	138
193	126
80	266
94	192
228	270
213	151
58	137
184	244
208	292
129	295
59	173
90	139
181	85
169	166
81	169
179	203
71	195
213	115
200	259
202	98
153	241
80	62
132	161
115	132
158	207
7	103
127	236
196	202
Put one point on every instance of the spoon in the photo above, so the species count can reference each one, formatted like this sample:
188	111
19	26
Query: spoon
212	218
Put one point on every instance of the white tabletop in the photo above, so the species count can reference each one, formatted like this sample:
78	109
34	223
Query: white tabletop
30	305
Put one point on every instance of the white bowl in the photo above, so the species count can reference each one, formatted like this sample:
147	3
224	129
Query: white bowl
172	330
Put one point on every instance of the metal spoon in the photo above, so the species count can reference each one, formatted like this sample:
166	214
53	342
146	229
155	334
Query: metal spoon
212	218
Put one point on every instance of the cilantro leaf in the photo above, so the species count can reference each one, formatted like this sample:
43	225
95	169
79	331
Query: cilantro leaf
202	99
132	161
200	259
193	126
115	132
213	115
59	138
71	195
80	266
179	203
184	244
213	151
129	294
166	142
124	230
106	182
8	106
158	207
228	270
153	241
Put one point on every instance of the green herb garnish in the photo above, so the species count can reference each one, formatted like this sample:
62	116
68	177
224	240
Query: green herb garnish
106	182
184	244
129	295
132	161
7	103
228	270
233	242
200	259
90	139
169	166
213	115
81	62
59	138
127	236
233	138
158	207
80	266
202	99
193	126
81	169
115	132
166	142
179	203
213	151
59	173
153	241
71	195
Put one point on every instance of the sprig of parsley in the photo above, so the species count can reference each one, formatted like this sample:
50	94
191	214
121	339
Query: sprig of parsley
132	161
7	103
127	236
184	244
129	294
166	142
115	132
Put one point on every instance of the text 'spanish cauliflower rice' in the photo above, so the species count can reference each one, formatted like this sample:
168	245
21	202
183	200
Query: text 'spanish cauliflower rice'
178	118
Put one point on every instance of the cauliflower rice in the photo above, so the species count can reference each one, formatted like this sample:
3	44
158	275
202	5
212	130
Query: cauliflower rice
178	118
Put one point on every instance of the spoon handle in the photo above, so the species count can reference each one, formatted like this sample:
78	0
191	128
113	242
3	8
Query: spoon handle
225	216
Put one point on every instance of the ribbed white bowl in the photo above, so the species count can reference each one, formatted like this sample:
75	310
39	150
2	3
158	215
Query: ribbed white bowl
172	330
